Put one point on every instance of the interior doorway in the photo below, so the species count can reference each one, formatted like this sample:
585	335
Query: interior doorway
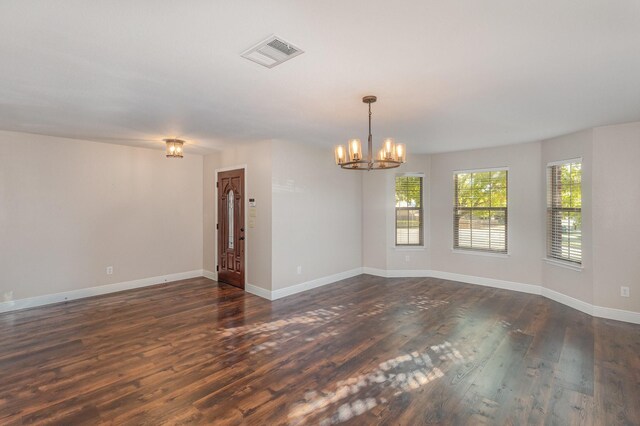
231	227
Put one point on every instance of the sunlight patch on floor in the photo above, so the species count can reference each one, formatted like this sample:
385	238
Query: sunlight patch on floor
317	316
356	395
424	303
279	331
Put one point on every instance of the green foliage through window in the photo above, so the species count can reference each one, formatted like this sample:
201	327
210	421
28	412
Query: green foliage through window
480	211
409	211
564	211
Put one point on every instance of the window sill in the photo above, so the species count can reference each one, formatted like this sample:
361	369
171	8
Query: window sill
409	248
566	265
481	253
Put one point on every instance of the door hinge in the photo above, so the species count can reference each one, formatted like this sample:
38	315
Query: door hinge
217	184
217	225
217	268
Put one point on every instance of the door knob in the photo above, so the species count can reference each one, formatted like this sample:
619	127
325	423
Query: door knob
241	238
241	229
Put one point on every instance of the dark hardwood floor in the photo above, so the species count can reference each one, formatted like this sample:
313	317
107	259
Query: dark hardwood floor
366	350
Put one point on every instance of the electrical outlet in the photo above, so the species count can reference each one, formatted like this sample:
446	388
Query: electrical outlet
407	258
624	291
299	270
109	270
8	296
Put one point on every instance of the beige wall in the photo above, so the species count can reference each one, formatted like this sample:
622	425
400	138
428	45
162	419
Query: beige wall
610	157
610	238
616	204
577	284
257	159
522	264
305	208
375	206
378	195
317	215
69	209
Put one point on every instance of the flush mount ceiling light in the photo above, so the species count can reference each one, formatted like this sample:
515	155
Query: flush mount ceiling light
391	155
174	148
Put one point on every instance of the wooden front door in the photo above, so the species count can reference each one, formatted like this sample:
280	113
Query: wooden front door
231	227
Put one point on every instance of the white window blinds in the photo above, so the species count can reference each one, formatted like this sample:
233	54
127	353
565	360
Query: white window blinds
480	211
564	211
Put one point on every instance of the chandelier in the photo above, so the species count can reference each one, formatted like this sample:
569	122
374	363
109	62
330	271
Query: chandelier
174	148
390	156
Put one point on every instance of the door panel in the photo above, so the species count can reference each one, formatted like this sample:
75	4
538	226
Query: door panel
231	227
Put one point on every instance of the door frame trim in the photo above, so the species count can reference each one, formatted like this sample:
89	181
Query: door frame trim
246	217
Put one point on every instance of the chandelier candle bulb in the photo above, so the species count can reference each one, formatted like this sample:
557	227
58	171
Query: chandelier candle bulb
389	149
341	154
355	150
401	150
382	157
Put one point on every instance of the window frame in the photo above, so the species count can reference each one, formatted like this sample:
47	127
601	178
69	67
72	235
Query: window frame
421	244
549	258
477	250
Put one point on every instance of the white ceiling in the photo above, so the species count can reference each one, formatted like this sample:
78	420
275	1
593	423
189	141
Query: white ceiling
449	75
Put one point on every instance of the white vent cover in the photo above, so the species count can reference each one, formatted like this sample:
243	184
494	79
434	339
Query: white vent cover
271	52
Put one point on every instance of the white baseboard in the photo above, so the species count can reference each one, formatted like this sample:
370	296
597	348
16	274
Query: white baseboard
487	282
375	271
593	310
616	314
258	291
299	288
574	303
31	302
319	282
596	311
469	279
211	275
249	288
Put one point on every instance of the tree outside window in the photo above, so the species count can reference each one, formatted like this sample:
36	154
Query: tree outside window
480	211
409	211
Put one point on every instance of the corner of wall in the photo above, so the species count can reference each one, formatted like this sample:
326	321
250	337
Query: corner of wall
571	283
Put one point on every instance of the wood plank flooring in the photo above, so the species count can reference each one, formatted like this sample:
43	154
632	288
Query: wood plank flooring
366	350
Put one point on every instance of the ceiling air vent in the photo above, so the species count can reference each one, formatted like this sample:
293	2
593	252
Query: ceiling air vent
271	52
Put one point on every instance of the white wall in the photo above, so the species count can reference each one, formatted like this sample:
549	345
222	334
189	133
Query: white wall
69	209
616	208
317	215
378	239
522	264
257	159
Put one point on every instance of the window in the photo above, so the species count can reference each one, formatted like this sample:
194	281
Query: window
564	211
480	211
409	211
